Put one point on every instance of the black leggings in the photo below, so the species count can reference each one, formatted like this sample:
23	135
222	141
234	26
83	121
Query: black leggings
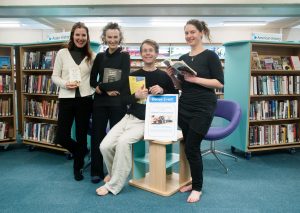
101	116
192	142
69	109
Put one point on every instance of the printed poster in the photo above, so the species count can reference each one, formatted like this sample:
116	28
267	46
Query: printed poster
161	117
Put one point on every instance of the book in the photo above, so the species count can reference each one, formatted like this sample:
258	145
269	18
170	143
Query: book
136	83
74	75
179	66
4	62
255	62
286	64
111	75
295	62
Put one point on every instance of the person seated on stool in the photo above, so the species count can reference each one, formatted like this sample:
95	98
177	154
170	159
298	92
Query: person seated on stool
115	147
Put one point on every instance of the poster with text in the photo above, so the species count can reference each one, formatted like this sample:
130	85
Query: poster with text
161	117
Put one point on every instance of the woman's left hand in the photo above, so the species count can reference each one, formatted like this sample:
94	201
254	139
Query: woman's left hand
113	93
190	78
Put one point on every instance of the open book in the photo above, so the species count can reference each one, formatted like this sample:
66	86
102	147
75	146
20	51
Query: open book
179	66
136	83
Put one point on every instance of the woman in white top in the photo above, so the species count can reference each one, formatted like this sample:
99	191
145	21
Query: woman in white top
71	73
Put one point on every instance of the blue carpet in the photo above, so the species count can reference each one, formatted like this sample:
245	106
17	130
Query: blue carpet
42	181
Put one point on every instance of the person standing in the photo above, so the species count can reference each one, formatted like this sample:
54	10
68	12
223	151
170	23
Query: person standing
108	107
75	97
198	100
115	147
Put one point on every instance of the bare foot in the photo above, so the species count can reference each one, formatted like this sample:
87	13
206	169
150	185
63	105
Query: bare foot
194	196
186	188
101	191
106	179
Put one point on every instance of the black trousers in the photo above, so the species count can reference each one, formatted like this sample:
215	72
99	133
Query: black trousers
101	116
79	109
192	142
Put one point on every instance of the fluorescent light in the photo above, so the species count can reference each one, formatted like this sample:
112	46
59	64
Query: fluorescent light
10	24
167	24
95	24
244	23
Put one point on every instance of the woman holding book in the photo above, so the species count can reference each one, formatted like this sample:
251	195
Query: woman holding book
109	77
198	100
71	73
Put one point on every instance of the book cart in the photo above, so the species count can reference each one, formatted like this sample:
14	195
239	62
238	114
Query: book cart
264	79
7	96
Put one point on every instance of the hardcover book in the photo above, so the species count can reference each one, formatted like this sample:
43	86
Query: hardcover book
4	62
111	75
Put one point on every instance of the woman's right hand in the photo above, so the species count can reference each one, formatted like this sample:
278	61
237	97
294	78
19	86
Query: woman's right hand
170	71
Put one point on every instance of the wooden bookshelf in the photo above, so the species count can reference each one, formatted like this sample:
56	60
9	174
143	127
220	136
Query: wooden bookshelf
269	95
37	94
7	96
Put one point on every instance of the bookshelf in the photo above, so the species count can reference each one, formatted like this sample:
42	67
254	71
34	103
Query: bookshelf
37	94
7	96
268	94
173	52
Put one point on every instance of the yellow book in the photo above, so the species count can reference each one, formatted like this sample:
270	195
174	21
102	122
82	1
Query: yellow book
136	83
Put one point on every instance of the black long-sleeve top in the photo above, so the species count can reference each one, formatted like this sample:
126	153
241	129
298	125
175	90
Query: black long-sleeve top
78	55
156	77
117	60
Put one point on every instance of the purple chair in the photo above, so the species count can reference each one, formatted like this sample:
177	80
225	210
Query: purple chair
230	111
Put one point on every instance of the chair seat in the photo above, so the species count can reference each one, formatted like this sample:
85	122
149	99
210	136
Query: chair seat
216	133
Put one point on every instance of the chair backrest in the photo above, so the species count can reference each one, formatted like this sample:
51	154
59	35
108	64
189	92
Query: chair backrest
229	110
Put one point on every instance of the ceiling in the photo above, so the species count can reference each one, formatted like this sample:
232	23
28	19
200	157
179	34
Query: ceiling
63	17
65	23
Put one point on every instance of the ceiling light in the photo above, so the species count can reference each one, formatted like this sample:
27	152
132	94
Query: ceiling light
95	24
244	23
10	24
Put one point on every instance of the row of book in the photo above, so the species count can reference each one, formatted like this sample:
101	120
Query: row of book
44	108
39	60
5	107
5	84
273	134
5	130
273	109
39	84
272	62
40	132
274	85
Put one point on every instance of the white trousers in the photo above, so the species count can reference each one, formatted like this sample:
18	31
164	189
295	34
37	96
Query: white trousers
116	151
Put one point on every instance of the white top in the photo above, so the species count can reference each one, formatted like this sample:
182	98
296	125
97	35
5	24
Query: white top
60	76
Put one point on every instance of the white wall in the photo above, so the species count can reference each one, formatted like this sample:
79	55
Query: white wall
161	35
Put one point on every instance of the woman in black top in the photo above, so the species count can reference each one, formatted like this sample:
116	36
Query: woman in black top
109	76
198	100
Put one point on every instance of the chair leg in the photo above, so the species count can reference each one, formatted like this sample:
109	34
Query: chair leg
213	150
221	162
226	154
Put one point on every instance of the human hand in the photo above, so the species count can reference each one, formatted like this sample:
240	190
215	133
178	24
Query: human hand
98	90
142	93
154	90
113	93
189	77
170	71
71	85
